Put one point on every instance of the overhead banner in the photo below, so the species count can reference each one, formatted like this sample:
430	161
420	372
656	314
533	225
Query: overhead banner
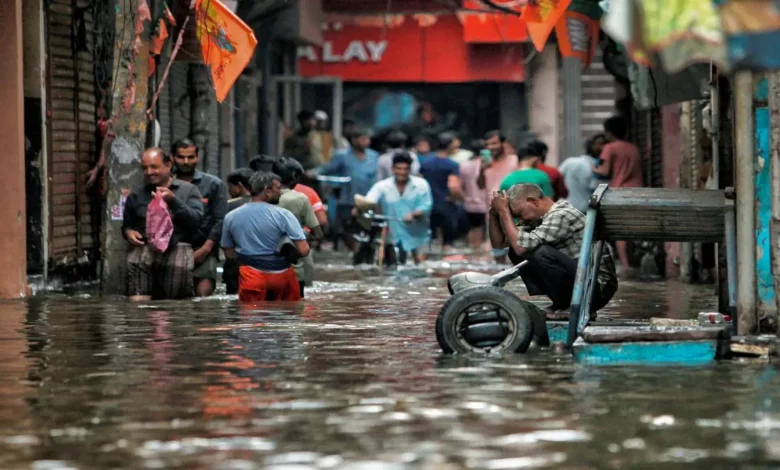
578	36
408	48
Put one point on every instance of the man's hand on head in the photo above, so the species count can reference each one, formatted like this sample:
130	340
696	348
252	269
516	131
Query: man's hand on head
499	202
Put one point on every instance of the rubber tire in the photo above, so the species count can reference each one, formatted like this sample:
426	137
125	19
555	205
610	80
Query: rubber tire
520	311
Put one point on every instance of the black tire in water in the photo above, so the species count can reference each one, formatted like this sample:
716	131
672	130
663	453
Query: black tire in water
485	319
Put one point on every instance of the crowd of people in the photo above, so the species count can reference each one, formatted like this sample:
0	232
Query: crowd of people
432	192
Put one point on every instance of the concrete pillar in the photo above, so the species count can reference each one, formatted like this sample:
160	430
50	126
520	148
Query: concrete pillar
543	106
746	204
13	221
571	70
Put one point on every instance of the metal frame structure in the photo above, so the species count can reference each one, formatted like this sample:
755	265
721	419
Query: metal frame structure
651	206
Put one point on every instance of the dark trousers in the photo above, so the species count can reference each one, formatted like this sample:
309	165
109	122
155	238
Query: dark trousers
445	219
550	272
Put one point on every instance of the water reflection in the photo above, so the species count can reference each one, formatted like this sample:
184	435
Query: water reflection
354	379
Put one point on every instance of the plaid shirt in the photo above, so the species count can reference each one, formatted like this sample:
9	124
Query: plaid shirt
562	228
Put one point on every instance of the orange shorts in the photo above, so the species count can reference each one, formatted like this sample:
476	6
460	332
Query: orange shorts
257	286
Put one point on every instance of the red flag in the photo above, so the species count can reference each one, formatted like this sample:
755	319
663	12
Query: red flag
227	43
158	40
541	16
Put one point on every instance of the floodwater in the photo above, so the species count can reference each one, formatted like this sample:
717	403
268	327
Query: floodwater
354	379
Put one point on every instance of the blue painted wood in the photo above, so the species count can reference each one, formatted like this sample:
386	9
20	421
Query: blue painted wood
765	291
646	353
558	331
583	271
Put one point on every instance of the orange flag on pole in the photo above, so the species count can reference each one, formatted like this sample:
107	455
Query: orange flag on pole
541	16
226	43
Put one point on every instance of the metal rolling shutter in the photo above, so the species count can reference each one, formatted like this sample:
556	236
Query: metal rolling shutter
598	97
72	127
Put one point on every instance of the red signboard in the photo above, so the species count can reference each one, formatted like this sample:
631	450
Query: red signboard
408	48
492	27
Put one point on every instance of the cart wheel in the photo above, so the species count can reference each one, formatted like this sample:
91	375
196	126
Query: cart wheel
485	320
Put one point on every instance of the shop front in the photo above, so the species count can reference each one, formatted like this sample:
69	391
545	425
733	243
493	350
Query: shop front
422	72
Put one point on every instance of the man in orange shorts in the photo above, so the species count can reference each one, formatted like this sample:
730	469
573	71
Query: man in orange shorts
252	233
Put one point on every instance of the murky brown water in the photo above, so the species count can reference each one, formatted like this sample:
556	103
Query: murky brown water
354	379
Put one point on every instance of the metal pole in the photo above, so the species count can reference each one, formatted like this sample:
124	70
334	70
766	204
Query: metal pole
731	263
338	107
572	109
715	130
745	204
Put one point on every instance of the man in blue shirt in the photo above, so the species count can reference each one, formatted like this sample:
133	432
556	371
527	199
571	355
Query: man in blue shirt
407	200
359	163
578	173
251	235
442	174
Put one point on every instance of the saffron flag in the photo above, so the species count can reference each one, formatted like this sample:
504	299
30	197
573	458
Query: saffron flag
541	16
227	43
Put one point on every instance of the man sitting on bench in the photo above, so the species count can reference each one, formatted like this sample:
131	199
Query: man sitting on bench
550	239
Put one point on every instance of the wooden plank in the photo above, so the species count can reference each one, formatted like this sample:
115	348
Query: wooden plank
673	322
764	345
691	353
624	334
760	350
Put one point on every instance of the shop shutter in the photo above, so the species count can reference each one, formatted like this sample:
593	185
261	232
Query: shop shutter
71	131
655	174
598	97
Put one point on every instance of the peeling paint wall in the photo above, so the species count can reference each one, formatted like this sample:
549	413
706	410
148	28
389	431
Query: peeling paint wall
765	282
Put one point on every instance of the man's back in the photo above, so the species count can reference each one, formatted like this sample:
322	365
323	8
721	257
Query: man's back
362	171
626	167
528	176
578	175
556	180
311	194
297	203
437	172
257	227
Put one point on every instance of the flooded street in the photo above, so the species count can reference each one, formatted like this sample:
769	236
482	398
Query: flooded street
354	379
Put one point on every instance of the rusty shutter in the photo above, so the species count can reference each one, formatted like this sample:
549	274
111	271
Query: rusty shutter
655	174
71	133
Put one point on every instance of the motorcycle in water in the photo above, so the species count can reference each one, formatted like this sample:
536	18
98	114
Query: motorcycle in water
372	240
